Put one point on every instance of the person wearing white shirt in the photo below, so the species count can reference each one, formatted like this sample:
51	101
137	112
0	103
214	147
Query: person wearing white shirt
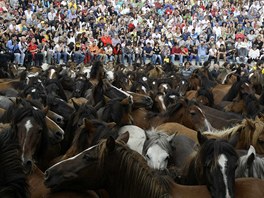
28	14
219	42
217	30
253	54
150	40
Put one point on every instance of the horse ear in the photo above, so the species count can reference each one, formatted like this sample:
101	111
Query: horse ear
201	138
234	139
45	110
75	105
87	123
110	144
250	159
111	125
123	137
18	100
106	99
125	101
29	97
170	138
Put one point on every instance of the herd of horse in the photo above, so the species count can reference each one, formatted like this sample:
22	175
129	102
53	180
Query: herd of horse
109	131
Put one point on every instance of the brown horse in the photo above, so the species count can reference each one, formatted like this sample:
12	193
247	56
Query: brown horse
128	175
184	112
88	135
251	132
38	189
257	80
171	128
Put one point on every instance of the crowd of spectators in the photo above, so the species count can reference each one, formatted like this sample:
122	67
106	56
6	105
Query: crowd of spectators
127	32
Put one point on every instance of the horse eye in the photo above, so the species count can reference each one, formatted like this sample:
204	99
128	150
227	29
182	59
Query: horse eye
261	141
192	112
88	157
147	156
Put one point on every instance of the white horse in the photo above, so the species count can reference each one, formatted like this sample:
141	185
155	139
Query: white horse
137	137
157	149
250	165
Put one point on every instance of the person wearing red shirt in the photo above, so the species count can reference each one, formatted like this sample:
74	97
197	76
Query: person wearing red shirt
117	52
34	56
175	53
184	54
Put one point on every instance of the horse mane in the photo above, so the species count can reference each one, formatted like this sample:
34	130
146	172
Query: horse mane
252	105
174	108
208	94
56	82
9	113
225	133
138	83
248	137
98	92
159	138
39	116
96	67
206	82
113	111
84	111
143	181
13	180
234	90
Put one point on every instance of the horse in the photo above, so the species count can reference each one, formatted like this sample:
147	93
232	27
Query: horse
249	132
184	112
214	157
54	88
80	86
126	170
59	106
75	121
257	80
104	88
220	119
249	106
13	180
137	137
205	97
29	127
171	128
250	165
182	148
157	149
89	134
118	111
55	132
242	86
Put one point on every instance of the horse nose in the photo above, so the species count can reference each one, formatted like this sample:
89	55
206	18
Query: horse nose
59	120
59	135
149	101
28	164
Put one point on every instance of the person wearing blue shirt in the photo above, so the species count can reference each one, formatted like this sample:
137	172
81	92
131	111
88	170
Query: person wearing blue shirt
147	53
202	52
10	46
185	34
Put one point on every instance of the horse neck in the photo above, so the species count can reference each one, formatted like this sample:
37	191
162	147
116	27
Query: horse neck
134	178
